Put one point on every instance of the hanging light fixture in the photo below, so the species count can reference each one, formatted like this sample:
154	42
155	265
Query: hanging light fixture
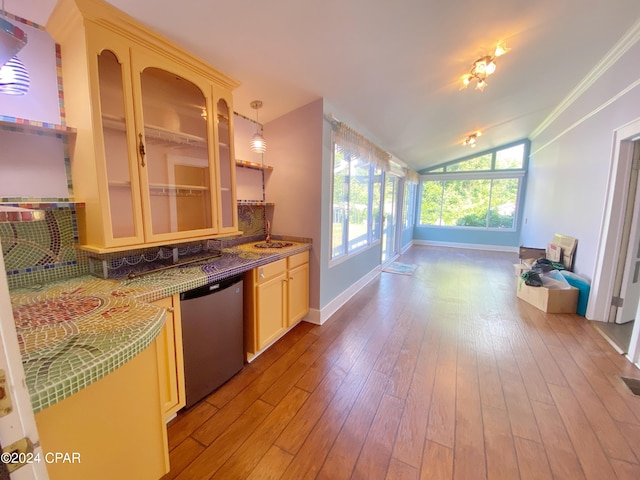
14	78
258	143
471	139
482	68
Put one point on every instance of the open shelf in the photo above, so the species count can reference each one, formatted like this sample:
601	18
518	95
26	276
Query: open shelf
255	203
12	123
42	204
254	165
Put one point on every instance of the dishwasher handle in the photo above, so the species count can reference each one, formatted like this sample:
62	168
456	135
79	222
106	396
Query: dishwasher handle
210	288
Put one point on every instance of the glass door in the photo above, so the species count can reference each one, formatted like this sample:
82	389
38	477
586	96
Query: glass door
177	178
228	213
123	213
390	217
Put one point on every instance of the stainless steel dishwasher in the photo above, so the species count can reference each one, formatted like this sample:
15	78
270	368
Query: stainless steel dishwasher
212	336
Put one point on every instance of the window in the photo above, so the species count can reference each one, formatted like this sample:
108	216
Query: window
357	195
409	205
478	192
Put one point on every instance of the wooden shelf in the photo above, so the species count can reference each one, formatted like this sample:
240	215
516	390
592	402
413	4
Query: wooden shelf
255	203
254	165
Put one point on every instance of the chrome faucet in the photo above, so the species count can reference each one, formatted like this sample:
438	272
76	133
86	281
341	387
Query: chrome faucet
268	228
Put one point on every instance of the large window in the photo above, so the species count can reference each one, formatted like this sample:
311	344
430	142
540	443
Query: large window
409	205
357	190
478	192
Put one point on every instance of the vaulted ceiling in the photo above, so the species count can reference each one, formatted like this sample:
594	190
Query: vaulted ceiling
393	68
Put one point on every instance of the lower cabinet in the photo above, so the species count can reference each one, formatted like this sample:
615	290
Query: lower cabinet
115	425
276	297
297	287
170	358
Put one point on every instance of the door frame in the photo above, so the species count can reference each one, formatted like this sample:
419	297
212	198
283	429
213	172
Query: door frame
397	210
612	228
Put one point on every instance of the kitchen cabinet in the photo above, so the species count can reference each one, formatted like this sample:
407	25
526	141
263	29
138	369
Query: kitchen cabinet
170	358
154	160
297	287
112	428
276	298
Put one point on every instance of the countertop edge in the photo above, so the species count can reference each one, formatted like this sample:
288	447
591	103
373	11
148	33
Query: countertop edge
51	392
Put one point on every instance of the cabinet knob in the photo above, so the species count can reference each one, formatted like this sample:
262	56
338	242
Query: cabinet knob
171	309
141	149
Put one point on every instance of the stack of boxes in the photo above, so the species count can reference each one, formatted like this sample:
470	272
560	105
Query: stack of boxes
561	249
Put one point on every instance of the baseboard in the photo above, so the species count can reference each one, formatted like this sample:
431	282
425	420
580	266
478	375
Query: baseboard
313	316
470	246
318	317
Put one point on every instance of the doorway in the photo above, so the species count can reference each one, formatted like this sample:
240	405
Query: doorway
626	288
390	217
617	271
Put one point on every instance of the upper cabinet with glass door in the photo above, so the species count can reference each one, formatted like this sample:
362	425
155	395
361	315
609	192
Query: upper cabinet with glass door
153	164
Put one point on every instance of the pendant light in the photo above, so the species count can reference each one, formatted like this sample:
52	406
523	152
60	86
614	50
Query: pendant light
258	143
14	78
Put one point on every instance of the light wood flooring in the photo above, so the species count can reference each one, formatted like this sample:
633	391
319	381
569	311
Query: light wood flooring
441	375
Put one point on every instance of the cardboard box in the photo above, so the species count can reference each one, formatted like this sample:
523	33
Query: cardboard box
567	246
520	268
534	253
554	252
550	300
561	249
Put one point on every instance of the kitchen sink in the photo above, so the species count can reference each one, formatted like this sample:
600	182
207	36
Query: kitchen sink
273	244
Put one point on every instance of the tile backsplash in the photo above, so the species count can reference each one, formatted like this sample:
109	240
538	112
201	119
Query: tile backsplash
45	251
42	251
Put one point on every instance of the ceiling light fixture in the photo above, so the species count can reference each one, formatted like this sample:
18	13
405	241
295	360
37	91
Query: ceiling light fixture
471	139
482	68
258	143
14	78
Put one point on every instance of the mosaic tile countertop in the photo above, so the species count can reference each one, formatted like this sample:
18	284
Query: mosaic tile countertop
74	332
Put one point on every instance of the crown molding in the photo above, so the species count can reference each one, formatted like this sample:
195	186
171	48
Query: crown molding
627	41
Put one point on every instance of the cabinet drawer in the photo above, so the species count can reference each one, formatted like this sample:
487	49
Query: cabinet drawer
270	270
298	259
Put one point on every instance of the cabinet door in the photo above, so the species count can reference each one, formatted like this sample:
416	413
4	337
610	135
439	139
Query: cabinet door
298	293
228	212
270	309
173	118
170	358
109	157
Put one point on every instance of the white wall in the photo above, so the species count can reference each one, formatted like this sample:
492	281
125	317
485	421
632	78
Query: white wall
571	154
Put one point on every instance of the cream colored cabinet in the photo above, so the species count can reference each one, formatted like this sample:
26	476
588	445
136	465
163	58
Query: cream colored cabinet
153	159
114	427
170	358
276	297
264	305
297	287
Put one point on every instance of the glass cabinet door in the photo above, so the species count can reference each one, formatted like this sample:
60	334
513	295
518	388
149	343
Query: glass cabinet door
123	205
174	152
228	212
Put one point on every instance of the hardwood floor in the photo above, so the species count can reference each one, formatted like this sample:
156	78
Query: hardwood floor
441	375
